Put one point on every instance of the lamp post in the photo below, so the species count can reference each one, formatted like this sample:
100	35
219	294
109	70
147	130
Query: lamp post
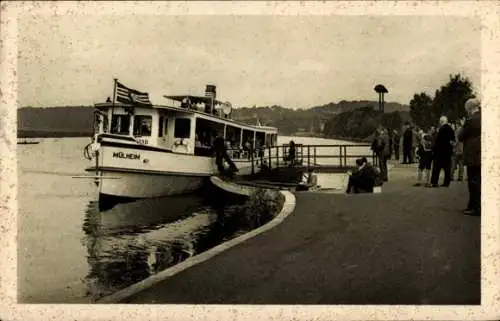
381	90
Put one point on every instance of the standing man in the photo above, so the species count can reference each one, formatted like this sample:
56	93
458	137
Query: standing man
407	144
396	139
390	136
470	135
443	150
381	148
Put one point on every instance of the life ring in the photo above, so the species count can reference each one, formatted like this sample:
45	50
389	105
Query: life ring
91	150
181	143
178	142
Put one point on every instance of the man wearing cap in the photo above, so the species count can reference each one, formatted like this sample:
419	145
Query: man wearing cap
470	135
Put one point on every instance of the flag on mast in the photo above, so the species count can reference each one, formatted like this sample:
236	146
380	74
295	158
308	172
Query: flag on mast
128	95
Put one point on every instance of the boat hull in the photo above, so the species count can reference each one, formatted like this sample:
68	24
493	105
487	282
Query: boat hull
136	185
127	171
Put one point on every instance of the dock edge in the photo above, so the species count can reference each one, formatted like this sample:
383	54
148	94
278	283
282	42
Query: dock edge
117	297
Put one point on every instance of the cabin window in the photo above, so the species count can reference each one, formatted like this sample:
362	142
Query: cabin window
268	141
160	126
260	138
105	123
248	141
233	135
120	124
142	125
206	132
182	128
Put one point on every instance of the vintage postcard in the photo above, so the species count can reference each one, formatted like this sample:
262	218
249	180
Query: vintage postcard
250	160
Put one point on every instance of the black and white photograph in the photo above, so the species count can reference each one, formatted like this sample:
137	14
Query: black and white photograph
192	155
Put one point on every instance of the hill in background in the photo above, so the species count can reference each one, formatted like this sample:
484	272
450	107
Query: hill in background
310	121
77	120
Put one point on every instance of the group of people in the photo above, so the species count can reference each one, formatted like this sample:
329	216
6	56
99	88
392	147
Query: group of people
454	146
448	148
439	151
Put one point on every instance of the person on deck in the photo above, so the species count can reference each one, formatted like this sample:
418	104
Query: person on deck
197	142
221	155
443	150
291	153
470	135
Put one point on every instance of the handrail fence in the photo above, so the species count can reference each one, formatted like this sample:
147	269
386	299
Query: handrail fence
275	156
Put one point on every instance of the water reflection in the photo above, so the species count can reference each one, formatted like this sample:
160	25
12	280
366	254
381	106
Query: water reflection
132	241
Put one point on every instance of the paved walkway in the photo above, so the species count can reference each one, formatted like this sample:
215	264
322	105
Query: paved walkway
408	245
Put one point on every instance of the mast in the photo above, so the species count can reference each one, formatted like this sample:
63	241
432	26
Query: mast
110	122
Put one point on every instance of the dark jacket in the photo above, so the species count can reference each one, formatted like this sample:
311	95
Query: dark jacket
443	147
396	139
380	145
366	178
470	135
408	138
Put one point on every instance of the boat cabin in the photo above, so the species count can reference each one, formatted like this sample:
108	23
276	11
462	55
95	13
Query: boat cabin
188	125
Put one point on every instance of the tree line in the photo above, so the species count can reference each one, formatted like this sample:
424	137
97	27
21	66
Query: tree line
449	100
360	124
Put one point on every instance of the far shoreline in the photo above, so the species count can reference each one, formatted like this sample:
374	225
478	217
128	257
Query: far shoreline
69	134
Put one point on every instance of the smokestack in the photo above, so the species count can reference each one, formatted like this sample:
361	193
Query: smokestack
210	91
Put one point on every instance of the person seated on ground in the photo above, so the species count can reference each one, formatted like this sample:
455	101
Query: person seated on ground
308	181
376	172
364	178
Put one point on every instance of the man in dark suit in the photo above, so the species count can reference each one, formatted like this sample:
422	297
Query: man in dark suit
470	135
443	150
221	155
407	144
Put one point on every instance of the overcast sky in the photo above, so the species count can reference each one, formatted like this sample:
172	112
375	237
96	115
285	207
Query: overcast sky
254	60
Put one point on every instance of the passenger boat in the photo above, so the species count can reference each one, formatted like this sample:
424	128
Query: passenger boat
142	150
